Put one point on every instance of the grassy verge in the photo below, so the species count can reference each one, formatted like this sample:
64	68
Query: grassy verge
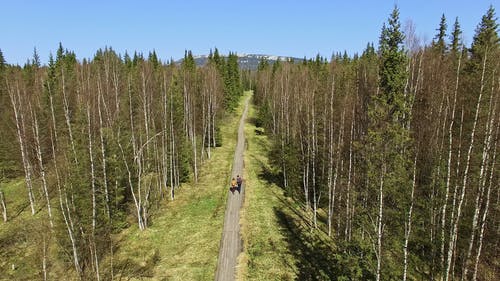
266	253
183	241
278	241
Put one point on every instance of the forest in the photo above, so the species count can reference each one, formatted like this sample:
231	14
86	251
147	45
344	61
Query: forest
103	139
391	154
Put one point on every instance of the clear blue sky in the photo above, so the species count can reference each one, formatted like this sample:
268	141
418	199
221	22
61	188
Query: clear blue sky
289	28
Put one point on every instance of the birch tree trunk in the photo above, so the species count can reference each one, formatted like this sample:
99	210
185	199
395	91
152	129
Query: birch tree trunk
15	99
103	149
487	205
330	160
4	206
137	203
380	221
67	116
94	193
448	176
453	237
173	172
64	210
482	180
38	149
347	232
409	220
92	170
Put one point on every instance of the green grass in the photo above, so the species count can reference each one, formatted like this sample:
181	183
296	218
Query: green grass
22	237
183	241
266	250
279	240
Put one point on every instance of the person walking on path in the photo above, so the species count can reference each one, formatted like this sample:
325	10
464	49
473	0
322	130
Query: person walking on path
233	185
239	181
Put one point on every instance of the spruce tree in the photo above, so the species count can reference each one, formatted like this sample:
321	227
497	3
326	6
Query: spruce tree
455	37
36	58
486	38
153	58
2	60
388	143
439	42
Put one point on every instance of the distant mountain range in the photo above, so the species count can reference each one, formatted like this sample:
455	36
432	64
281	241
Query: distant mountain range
246	61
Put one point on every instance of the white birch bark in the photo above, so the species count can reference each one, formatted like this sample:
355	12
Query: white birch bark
485	155
347	233
44	257
409	221
380	221
448	176
103	149
92	170
16	104
67	116
69	226
453	237
94	191
38	149
487	205
4	206
330	160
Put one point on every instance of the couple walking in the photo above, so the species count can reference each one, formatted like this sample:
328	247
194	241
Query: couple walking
236	184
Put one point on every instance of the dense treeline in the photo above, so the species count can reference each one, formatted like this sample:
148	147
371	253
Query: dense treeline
393	152
108	138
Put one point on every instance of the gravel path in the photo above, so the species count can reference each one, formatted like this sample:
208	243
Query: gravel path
231	244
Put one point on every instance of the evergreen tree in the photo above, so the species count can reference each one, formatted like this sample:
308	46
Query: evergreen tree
439	42
153	58
2	60
455	37
486	38
36	59
232	83
388	143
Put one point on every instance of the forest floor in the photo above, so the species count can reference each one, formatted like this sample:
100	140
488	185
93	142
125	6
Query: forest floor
231	244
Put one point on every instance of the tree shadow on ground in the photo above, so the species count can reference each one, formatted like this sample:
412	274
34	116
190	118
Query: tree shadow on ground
269	176
128	268
314	256
313	253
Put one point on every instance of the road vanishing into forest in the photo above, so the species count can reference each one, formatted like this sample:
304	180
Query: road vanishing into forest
231	244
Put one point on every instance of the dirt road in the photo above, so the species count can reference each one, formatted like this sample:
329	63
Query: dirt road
231	244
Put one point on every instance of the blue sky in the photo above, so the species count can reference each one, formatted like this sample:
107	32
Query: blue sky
289	28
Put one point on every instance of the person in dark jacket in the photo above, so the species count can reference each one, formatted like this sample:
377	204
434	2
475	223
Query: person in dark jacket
239	181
